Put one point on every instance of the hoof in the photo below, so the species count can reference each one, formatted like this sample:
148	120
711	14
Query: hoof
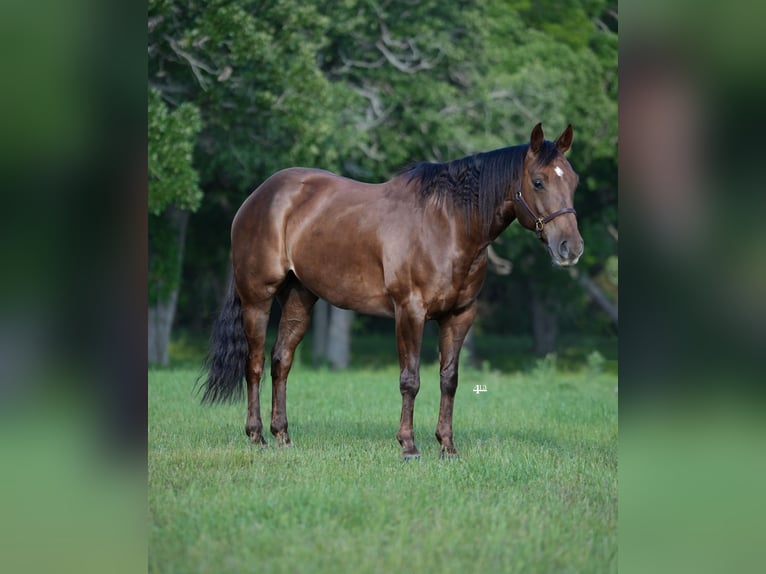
411	453
257	440
283	440
448	451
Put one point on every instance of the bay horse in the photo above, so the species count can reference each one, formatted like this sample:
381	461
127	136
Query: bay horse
413	248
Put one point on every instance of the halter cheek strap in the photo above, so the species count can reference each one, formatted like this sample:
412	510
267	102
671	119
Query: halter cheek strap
540	221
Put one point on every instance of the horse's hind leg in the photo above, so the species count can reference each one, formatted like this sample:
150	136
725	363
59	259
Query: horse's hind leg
296	303
255	319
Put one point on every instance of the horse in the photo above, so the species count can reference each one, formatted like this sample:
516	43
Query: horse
413	248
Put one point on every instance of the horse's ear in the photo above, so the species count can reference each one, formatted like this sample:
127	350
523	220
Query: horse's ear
565	139
536	139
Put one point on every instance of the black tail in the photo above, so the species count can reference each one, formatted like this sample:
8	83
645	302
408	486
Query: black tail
227	357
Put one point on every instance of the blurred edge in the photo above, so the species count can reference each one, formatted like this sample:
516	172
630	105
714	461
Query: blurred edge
692	426
73	299
73	296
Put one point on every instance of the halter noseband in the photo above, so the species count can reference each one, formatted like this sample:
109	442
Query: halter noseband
541	221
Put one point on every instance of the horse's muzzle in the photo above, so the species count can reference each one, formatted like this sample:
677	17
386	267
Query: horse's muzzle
566	252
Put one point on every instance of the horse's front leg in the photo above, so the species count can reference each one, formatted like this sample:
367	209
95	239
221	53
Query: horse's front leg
409	337
452	331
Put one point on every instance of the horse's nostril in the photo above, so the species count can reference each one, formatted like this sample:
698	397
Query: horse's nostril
564	248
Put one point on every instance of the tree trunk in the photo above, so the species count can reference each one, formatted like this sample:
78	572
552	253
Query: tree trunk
332	335
544	323
161	311
160	325
319	339
339	338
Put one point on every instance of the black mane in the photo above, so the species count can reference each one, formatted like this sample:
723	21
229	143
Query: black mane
478	183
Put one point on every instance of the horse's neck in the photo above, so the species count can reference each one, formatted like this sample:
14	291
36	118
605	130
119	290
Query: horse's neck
504	216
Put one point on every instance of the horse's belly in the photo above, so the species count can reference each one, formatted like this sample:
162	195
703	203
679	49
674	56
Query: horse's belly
346	285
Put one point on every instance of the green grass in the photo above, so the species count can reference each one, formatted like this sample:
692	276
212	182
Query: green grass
535	488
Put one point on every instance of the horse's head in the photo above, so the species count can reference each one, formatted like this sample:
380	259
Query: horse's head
544	200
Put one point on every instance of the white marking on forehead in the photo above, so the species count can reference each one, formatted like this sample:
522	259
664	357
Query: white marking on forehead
559	171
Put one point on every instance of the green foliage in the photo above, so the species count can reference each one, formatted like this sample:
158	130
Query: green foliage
173	186
172	178
410	66
566	21
611	269
535	489
251	68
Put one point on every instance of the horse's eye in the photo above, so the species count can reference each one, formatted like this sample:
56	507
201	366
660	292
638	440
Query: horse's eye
537	183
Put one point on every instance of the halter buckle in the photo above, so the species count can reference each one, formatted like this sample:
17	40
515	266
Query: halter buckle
541	221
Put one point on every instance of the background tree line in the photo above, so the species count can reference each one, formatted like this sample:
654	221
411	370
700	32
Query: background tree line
239	89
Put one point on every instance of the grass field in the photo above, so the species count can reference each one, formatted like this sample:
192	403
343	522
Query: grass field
534	490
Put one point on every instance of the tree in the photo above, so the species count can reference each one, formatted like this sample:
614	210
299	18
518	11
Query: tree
249	69
557	63
331	341
409	65
173	193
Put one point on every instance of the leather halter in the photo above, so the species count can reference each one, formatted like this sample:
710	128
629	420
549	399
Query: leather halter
541	221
